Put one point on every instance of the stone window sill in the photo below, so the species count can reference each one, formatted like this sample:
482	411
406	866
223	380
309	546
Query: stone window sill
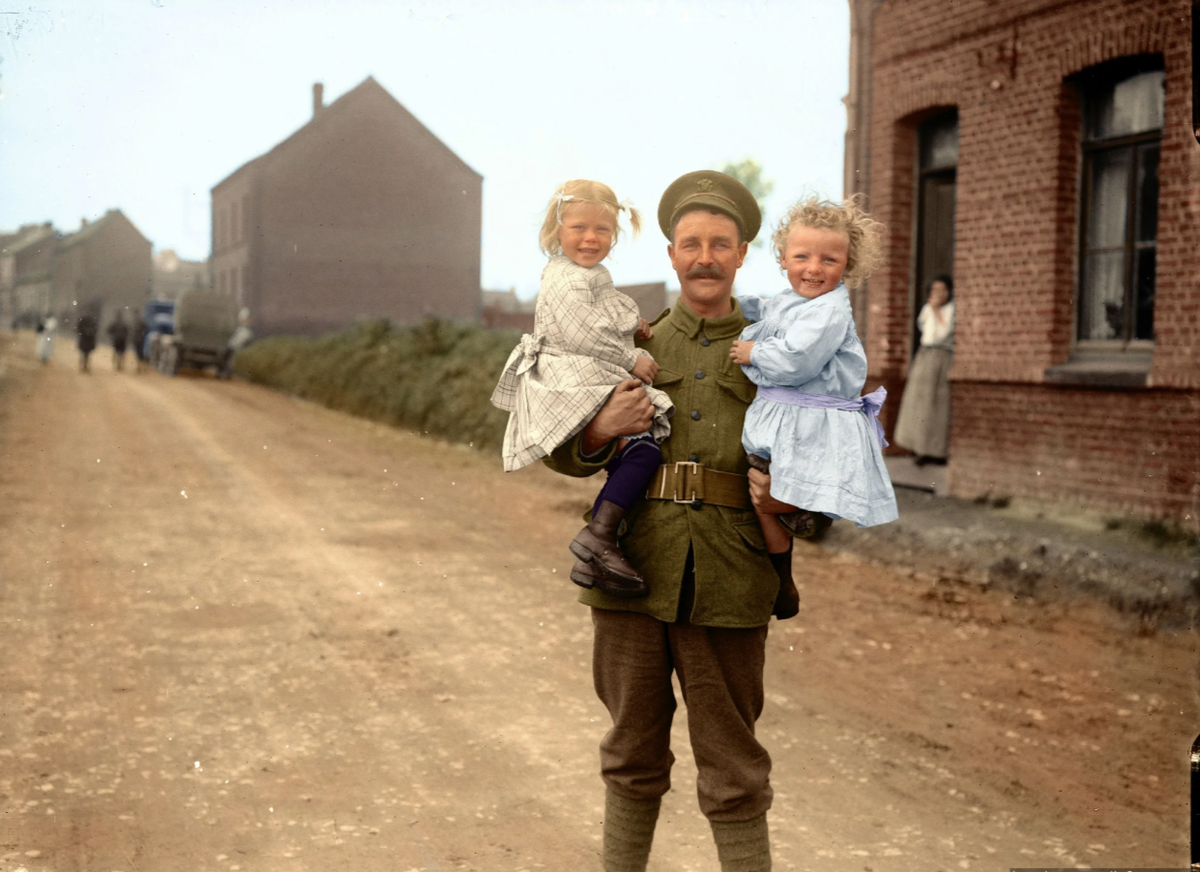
1111	372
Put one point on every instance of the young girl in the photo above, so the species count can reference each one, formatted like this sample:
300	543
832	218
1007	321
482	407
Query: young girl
582	347
808	427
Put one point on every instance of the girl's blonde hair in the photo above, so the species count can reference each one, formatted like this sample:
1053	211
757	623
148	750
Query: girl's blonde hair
849	217
583	191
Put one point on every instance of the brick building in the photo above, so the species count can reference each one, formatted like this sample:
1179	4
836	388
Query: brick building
362	212
504	310
26	260
1042	152
104	267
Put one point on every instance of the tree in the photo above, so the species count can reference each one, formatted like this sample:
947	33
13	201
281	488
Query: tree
748	171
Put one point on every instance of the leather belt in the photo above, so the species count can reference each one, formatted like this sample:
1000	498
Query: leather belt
689	483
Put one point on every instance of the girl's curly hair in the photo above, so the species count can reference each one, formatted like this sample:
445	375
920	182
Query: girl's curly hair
849	217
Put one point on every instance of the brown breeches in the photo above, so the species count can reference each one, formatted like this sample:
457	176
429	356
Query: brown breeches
720	672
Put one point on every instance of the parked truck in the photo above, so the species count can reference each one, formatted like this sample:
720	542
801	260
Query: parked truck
194	331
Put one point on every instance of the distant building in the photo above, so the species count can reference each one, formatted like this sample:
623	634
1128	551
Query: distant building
361	213
651	298
173	275
503	310
104	267
1042	153
32	265
34	299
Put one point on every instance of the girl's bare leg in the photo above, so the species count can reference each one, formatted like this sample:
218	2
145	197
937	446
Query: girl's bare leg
777	539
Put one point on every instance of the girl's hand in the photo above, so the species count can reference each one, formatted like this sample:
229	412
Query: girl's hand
645	369
644	331
739	353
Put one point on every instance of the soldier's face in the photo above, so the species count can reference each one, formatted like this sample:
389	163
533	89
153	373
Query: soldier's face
706	256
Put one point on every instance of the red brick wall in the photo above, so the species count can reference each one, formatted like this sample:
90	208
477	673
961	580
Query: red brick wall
1129	451
1004	66
363	213
368	217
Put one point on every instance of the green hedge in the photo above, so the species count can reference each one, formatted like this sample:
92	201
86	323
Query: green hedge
435	377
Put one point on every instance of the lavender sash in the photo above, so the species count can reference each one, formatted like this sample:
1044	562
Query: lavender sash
870	404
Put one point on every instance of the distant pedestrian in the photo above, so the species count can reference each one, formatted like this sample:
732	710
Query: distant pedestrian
86	328
242	336
139	342
47	330
923	424
118	332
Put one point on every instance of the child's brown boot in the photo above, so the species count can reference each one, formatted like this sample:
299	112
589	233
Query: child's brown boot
804	524
596	545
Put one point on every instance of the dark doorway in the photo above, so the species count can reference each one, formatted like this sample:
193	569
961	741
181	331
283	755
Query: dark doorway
936	187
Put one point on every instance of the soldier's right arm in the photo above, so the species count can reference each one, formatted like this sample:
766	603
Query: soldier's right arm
627	411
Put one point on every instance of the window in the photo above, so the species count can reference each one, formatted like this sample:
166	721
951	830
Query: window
1123	110
937	171
1196	70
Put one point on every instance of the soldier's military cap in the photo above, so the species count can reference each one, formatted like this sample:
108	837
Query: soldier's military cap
709	189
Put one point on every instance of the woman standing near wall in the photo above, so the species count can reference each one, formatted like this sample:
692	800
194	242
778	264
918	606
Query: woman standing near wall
923	424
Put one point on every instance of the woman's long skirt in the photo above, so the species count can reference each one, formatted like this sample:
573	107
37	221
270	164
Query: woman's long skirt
923	424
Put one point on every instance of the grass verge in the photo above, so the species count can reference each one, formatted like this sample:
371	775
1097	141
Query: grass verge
435	377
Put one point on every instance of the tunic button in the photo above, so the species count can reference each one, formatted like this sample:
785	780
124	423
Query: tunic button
695	416
704	341
694	458
699	373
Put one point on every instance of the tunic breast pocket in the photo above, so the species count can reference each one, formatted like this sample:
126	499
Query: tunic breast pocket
734	396
669	383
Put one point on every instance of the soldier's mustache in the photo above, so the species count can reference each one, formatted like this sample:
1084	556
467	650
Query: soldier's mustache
706	272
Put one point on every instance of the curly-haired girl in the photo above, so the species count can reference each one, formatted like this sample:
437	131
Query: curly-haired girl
808	426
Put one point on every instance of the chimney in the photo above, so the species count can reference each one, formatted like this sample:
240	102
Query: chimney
318	98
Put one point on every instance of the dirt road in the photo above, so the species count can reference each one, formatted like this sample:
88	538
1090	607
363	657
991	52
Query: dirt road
240	632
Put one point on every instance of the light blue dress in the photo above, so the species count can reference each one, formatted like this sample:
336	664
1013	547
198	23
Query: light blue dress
823	460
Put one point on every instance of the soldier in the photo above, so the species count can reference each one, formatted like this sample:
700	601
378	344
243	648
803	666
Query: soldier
697	540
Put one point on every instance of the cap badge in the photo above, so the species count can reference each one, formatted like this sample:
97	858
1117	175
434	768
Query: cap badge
704	185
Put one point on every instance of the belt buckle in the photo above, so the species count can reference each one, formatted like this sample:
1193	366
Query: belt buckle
695	474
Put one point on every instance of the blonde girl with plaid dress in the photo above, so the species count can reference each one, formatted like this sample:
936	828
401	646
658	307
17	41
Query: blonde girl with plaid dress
581	349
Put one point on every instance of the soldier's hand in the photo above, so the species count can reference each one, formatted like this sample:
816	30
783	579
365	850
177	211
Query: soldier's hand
627	412
760	495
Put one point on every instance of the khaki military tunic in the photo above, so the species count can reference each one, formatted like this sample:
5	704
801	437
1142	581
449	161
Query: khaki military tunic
735	585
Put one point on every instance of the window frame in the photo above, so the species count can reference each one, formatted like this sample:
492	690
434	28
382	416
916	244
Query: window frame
1091	84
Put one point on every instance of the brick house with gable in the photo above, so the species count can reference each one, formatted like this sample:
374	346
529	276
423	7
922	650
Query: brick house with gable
103	267
361	213
26	265
1042	152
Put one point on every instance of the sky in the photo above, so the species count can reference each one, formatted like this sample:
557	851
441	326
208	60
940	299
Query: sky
145	105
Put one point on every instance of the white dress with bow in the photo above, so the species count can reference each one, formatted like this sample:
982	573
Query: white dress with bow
558	377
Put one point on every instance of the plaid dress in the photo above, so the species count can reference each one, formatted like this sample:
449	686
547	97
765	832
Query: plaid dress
559	376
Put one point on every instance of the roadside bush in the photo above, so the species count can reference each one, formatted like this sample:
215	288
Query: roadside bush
435	377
